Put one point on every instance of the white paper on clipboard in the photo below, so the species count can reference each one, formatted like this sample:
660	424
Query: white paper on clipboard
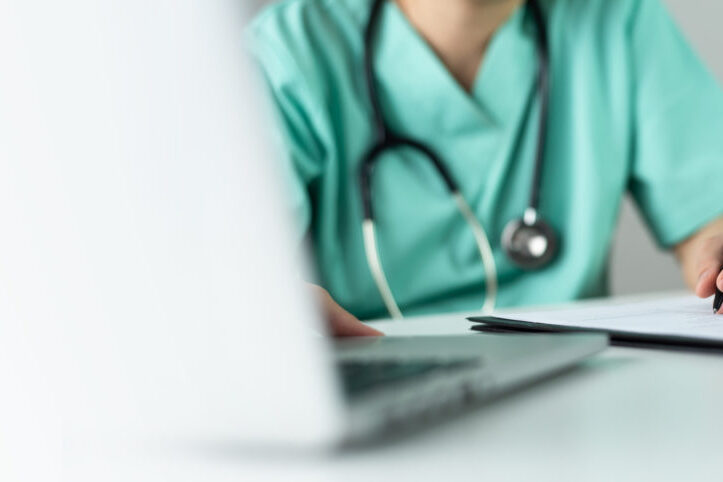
681	316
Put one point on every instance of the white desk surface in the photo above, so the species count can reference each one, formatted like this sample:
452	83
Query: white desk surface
627	414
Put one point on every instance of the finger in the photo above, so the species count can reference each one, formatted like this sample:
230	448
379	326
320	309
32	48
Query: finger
344	323
710	271
341	322
719	282
706	283
709	266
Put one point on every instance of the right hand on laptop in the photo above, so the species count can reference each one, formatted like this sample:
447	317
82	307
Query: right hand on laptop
341	322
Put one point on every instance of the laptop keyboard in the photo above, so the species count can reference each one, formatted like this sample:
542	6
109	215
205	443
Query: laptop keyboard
359	377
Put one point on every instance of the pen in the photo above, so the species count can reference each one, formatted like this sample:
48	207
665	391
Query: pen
718	300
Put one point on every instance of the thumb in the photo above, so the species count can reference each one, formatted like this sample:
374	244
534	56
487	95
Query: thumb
341	322
344	323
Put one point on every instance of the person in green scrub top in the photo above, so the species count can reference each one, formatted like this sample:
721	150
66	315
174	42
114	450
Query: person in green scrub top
631	109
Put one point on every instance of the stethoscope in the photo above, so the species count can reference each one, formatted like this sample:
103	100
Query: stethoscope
529	242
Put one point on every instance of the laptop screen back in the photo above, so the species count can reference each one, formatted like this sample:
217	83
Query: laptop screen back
147	271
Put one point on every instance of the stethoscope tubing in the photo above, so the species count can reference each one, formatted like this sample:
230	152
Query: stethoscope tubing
386	140
387	144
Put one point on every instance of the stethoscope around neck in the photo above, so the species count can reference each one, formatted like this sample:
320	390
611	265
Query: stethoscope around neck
529	242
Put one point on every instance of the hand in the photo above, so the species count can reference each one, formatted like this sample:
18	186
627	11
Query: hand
341	322
710	262
701	257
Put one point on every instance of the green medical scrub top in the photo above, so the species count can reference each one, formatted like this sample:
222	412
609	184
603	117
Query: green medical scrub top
632	109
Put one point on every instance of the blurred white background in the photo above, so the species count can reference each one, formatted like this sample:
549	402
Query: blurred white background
638	265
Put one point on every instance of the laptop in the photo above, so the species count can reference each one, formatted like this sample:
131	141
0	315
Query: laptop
147	236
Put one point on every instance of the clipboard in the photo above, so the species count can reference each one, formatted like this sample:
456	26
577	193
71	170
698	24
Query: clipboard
486	324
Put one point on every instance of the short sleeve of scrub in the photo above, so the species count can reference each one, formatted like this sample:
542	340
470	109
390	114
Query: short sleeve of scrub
678	148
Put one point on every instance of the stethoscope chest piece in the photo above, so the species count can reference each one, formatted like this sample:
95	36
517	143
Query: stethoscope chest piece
530	242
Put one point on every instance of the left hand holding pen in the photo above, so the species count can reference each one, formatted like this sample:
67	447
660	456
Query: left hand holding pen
710	264
701	257
710	268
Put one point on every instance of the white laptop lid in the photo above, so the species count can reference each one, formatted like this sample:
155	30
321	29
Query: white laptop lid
147	279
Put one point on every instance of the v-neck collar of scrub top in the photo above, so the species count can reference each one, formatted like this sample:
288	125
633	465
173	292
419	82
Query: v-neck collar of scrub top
415	84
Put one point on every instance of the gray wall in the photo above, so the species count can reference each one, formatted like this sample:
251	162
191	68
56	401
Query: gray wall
637	265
